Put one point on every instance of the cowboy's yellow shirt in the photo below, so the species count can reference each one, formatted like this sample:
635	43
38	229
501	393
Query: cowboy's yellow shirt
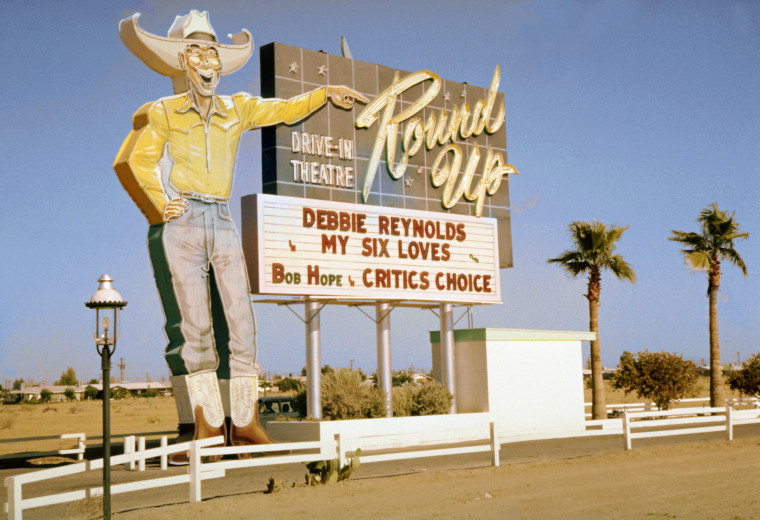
202	150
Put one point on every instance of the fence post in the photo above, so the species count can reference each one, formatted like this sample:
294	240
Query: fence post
495	446
341	453
626	431
14	498
164	456
195	472
141	450
81	446
729	423
129	447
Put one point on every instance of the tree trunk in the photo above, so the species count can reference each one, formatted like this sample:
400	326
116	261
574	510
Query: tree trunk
598	402
716	372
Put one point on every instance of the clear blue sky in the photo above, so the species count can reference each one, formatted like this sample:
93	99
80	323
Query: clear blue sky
639	113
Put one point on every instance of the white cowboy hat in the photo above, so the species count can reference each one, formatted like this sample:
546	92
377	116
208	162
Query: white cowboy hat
163	54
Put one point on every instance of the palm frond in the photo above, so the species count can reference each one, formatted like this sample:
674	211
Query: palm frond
732	256
621	269
719	230
697	260
594	246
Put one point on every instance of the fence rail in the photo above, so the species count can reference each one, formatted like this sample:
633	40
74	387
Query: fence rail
632	425
198	470
643	407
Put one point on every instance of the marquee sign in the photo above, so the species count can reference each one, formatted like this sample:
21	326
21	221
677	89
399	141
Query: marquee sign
308	246
421	143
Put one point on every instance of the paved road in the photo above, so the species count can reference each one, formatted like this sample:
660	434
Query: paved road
250	480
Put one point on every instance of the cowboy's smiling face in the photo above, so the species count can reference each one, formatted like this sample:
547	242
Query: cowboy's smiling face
203	69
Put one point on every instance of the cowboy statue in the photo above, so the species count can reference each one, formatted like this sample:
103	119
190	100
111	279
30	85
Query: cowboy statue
177	165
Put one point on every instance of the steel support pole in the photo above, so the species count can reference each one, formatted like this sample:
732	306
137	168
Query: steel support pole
106	367
447	350
313	362
384	371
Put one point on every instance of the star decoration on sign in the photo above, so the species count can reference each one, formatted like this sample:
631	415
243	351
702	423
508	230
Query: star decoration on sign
293	67
447	96
464	93
408	181
322	70
419	169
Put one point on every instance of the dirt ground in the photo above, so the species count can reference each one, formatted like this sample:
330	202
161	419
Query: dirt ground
694	477
703	480
127	416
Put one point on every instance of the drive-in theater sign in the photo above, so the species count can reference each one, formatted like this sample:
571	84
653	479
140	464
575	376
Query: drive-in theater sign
404	198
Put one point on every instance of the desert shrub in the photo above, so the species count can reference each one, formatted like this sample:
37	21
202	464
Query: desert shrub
746	380
432	398
402	400
45	395
344	397
119	393
150	392
91	392
289	384
429	398
401	378
657	376
70	394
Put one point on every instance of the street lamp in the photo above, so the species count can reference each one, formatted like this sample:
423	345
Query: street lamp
107	304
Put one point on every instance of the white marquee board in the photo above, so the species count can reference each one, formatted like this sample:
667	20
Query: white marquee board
312	247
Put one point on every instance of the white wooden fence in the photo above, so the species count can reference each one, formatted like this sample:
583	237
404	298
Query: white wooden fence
678	421
642	407
77	450
298	452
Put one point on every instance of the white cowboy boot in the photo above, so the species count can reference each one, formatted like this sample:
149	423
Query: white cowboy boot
245	428
203	398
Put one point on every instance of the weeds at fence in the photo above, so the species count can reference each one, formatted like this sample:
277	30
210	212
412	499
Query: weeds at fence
87	509
329	471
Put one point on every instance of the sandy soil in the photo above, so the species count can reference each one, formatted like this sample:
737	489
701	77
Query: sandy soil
127	416
707	480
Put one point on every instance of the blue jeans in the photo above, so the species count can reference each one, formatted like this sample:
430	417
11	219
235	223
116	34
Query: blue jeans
198	265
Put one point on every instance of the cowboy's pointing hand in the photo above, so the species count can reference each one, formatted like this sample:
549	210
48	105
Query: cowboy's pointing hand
174	208
344	97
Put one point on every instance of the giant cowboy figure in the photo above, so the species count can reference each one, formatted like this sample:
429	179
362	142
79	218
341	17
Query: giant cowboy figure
177	165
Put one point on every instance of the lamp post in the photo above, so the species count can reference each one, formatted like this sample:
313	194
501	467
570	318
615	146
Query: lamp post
107	304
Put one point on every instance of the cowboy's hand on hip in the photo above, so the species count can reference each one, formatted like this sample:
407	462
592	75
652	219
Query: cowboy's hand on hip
344	97
174	208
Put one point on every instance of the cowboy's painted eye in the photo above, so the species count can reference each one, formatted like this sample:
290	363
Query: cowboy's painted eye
213	60
195	57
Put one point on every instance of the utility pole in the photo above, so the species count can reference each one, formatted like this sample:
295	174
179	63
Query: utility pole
121	366
352	363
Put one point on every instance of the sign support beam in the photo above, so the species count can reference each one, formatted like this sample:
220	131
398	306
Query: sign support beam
384	370
313	361
447	351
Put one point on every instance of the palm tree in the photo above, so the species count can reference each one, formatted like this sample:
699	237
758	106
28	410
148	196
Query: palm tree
704	252
594	246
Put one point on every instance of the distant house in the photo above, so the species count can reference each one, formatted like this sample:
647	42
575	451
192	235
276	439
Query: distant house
136	389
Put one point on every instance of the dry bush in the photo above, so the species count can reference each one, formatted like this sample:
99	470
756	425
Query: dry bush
345	397
86	509
402	398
